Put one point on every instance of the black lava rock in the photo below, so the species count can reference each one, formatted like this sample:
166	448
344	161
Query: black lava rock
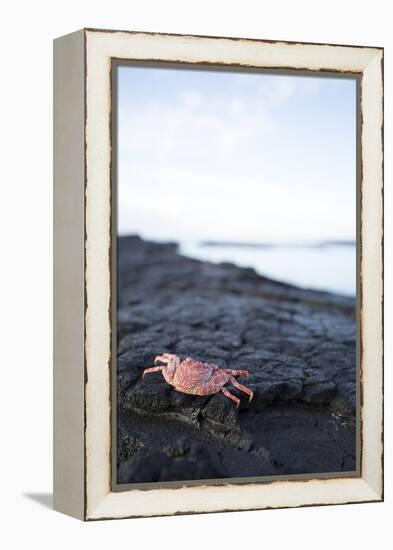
298	345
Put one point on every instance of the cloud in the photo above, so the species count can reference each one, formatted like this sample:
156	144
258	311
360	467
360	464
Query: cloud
201	161
181	127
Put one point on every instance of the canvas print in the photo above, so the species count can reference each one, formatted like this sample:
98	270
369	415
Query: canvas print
236	274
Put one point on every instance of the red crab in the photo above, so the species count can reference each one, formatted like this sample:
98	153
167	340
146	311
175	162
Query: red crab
196	378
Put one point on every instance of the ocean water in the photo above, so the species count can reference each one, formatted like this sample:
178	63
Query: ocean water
321	266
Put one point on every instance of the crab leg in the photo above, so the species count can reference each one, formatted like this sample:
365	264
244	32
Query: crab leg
231	396
164	358
242	388
237	372
152	369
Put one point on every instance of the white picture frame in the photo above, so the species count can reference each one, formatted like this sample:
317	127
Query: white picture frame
83	256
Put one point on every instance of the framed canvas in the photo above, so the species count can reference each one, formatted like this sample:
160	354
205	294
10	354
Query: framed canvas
218	270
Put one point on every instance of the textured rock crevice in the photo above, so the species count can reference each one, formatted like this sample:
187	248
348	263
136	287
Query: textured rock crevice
299	347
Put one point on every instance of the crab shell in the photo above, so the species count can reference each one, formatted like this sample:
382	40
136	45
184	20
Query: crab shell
197	378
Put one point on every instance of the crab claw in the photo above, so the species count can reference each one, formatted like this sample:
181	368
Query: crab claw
152	369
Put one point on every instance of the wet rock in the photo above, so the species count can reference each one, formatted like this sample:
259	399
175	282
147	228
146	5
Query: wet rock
220	410
181	460
149	395
145	468
320	393
345	399
128	446
147	342
152	395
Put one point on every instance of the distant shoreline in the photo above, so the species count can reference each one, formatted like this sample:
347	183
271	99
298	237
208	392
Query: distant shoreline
317	244
322	266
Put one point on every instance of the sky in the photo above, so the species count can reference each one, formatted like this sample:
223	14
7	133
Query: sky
235	156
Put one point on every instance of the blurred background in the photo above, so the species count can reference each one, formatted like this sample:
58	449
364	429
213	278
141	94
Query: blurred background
252	168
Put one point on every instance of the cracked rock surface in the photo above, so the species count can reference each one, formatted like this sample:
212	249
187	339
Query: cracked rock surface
299	347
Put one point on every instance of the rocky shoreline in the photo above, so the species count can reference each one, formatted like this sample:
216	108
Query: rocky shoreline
299	347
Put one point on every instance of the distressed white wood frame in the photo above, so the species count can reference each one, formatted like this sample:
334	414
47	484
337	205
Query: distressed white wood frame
99	501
